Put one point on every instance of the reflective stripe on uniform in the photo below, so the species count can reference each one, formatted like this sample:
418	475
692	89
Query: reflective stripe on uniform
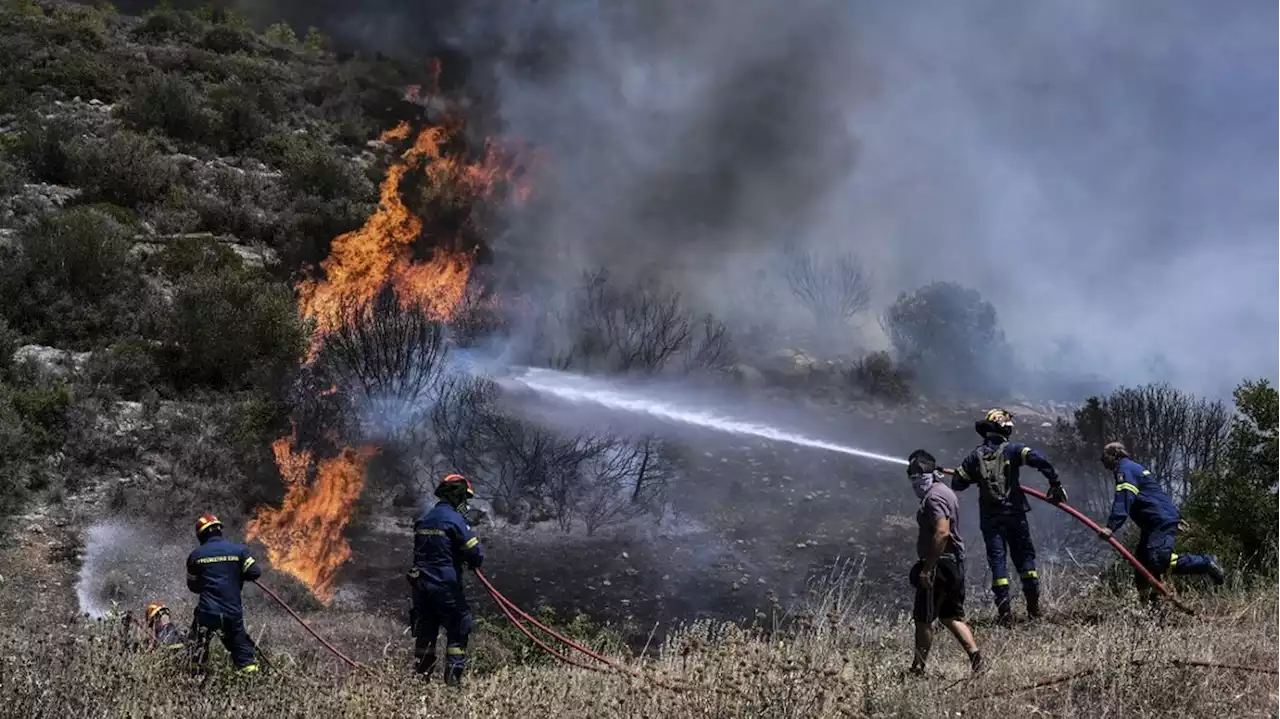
431	532
455	651
1126	487
471	543
960	471
1000	582
1031	574
248	562
1025	452
216	560
1173	560
248	669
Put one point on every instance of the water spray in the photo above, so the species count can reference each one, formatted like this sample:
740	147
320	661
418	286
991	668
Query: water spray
579	389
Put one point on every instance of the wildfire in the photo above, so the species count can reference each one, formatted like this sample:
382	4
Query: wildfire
304	535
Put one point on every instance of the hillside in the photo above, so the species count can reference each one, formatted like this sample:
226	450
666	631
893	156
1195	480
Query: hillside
242	272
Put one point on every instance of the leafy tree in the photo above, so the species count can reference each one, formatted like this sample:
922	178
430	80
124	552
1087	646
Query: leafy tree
1233	511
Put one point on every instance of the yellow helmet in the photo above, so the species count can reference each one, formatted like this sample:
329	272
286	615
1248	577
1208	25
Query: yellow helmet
996	421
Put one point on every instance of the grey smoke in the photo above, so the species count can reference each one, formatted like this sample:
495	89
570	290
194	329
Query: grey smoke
125	566
1101	171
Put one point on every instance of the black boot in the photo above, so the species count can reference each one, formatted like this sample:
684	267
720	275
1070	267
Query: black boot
453	676
1033	606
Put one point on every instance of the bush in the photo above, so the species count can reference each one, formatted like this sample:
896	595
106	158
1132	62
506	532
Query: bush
127	367
281	34
231	330
193	255
170	104
43	149
33	416
878	376
126	169
1233	510
242	116
70	280
231	204
949	337
226	40
169	25
314	169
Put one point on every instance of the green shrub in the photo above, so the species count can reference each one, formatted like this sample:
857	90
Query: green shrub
70	279
170	104
312	168
1233	512
167	24
125	169
225	40
128	367
232	205
43	149
241	119
193	255
281	34
879	376
231	330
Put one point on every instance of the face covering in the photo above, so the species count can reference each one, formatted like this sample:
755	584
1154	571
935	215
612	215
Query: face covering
921	483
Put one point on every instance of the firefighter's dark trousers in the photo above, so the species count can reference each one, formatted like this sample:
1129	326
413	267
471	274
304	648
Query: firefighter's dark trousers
234	637
1009	531
437	606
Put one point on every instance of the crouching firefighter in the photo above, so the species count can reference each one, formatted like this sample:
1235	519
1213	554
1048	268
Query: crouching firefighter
442	543
1139	497
217	570
1002	508
164	633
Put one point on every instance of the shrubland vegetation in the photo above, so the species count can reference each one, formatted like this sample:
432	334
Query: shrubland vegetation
162	230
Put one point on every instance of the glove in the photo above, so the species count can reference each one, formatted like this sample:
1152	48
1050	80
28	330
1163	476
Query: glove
1056	493
1105	533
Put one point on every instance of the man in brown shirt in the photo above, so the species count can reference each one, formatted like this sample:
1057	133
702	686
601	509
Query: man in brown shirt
938	576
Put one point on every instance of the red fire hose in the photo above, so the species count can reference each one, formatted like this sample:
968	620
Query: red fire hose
345	659
1110	540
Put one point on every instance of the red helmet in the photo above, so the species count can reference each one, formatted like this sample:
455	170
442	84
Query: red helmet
453	479
205	523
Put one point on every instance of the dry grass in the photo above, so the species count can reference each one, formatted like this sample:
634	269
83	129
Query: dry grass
839	662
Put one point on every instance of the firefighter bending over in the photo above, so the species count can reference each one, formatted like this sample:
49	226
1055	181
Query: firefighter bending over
217	570
442	543
1002	508
1140	498
163	631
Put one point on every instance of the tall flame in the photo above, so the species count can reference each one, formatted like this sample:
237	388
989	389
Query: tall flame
304	535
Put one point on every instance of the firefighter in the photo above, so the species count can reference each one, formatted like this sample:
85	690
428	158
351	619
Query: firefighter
1002	508
442	543
938	576
216	570
163	631
1139	497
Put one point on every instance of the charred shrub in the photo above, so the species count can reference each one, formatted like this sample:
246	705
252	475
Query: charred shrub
879	376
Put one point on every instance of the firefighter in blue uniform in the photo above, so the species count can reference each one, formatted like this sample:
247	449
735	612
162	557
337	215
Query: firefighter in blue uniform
442	544
1002	508
1140	498
216	570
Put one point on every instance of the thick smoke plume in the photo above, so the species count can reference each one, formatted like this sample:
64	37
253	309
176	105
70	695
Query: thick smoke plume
1102	172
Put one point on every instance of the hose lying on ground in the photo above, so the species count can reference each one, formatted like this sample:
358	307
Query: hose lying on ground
345	659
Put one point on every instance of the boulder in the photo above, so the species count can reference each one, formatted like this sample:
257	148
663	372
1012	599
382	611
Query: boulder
747	376
60	363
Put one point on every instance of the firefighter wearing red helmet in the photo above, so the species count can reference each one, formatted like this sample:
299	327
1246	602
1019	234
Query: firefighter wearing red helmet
442	543
217	570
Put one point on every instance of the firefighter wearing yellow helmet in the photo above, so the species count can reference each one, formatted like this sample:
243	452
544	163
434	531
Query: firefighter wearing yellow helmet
1002	508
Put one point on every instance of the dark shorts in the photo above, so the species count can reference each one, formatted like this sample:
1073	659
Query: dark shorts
945	599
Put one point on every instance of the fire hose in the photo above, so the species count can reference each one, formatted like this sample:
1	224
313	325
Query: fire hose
345	659
1075	513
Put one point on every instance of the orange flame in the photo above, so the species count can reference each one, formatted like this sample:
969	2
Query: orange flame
304	536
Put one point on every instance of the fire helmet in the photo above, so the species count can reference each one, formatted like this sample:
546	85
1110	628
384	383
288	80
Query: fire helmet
455	488
996	421
206	523
154	610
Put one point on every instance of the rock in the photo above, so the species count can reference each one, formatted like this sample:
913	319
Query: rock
60	363
478	512
8	237
255	257
747	376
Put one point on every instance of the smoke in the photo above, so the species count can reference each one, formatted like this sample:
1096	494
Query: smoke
1102	172
126	565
